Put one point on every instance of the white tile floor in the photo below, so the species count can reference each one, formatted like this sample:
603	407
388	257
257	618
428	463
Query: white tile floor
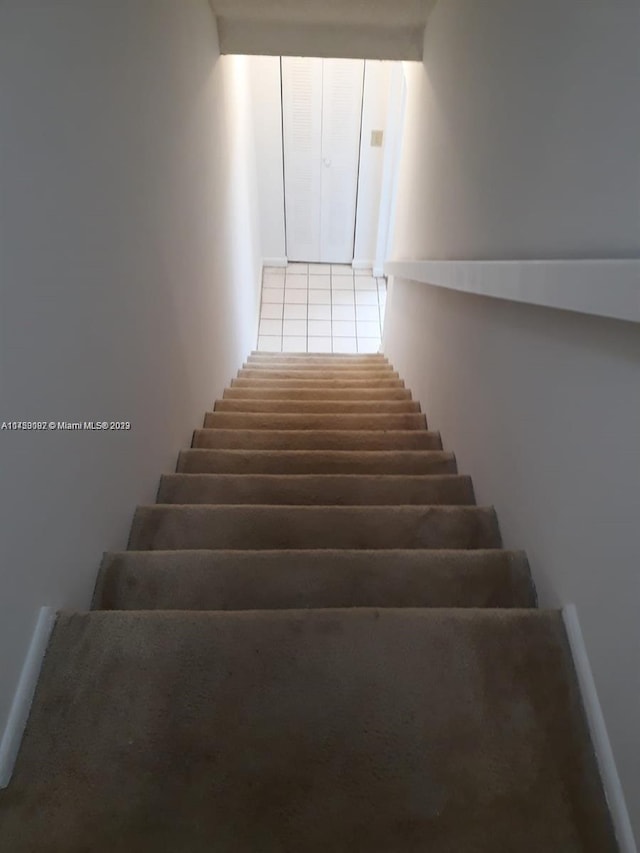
321	308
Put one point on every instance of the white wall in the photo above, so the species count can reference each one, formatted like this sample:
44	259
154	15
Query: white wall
524	121
129	270
267	113
375	107
542	408
343	35
522	141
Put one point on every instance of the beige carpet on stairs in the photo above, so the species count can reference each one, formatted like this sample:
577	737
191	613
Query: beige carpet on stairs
314	642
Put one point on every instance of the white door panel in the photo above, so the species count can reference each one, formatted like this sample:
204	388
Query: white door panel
302	129
341	115
322	105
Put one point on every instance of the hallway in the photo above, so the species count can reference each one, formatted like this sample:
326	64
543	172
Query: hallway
321	308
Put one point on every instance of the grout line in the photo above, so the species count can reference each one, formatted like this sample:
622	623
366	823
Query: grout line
260	310
307	312
283	304
355	314
331	306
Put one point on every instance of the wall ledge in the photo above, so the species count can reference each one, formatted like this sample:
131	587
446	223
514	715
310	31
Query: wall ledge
605	288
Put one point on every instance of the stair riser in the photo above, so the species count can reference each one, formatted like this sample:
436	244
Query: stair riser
305	490
284	393
317	384
289	367
318	363
200	461
320	407
251	527
248	420
264	439
268	580
324	375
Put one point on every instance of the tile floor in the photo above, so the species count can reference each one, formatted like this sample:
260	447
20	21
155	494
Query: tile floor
321	308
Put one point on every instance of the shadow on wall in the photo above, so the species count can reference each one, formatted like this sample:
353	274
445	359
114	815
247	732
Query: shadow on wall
130	275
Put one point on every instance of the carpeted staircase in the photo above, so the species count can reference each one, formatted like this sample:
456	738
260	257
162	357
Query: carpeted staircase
314	642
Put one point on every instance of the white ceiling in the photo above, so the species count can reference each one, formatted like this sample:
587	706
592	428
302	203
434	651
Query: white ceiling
368	29
388	13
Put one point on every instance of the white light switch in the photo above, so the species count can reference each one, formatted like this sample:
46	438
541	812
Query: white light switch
376	139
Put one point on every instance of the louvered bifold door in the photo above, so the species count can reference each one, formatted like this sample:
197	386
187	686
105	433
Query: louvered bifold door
302	128
342	82
322	105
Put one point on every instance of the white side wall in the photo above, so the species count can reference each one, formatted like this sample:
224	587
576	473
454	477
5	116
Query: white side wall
344	38
375	107
522	141
129	270
523	119
267	113
542	408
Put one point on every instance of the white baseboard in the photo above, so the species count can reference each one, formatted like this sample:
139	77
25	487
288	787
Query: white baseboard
360	264
605	288
21	705
274	262
599	735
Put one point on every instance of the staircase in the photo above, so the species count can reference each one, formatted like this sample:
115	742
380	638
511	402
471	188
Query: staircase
314	642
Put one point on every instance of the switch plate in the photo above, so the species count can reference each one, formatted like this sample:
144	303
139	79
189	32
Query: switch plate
376	139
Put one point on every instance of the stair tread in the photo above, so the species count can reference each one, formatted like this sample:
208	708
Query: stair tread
199	460
240	580
170	526
291	420
347	407
315	729
284	393
323	375
309	489
305	382
380	367
352	440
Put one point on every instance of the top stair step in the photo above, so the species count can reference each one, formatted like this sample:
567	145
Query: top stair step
321	359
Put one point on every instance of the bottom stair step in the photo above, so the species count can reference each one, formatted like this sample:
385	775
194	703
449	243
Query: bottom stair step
386	731
255	580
